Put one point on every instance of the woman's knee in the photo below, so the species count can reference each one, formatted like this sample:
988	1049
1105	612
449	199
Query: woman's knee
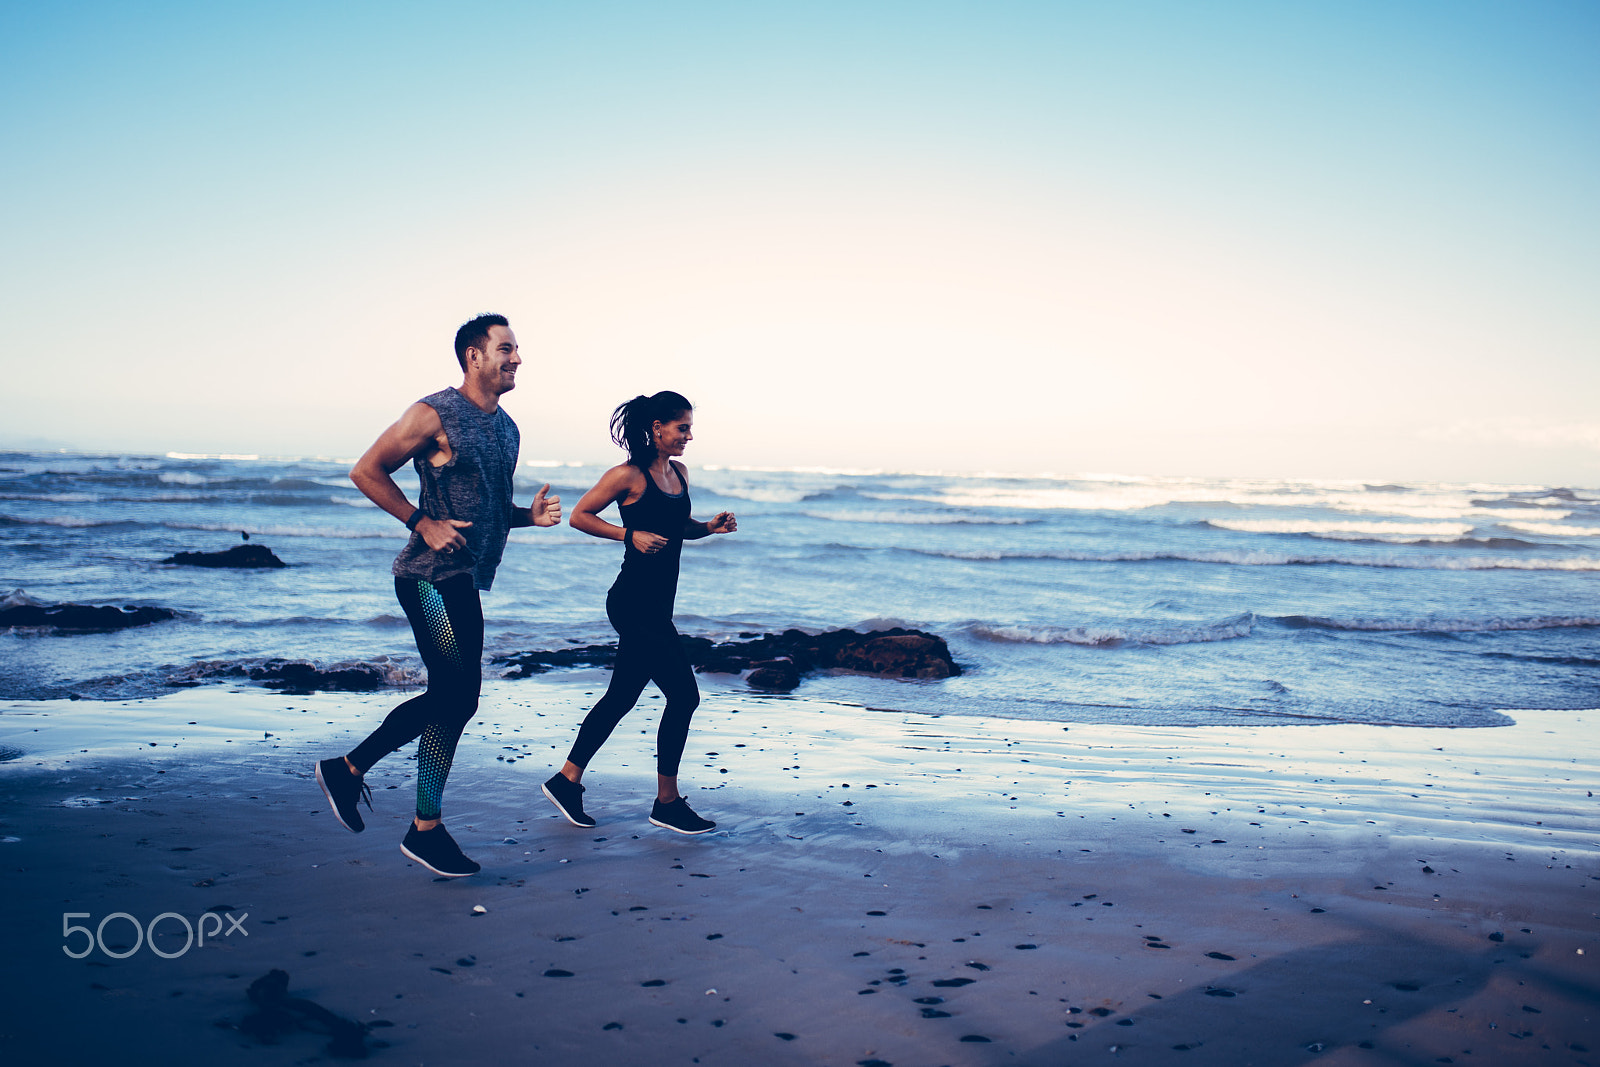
683	702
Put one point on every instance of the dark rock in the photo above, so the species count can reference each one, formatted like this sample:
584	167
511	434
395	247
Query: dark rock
277	1014
296	676
775	674
81	618
239	556
902	656
527	663
775	659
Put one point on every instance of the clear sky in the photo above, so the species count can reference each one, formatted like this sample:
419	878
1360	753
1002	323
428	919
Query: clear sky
1337	239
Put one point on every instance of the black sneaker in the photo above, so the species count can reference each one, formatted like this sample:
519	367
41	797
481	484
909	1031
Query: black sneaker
677	816
567	796
436	850
344	791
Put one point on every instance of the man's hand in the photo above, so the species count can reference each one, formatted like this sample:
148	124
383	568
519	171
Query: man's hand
545	511
722	523
443	535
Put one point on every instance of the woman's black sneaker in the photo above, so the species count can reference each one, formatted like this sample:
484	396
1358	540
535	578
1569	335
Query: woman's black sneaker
344	792
567	796
436	850
677	816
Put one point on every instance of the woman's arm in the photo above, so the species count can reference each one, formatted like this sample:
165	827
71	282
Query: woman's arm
722	522
618	483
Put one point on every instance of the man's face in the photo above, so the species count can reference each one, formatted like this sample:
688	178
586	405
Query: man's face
496	367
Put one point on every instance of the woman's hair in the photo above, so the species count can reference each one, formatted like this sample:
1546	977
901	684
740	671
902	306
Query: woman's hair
631	423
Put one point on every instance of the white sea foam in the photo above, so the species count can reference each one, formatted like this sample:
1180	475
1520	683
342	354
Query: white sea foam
1553	529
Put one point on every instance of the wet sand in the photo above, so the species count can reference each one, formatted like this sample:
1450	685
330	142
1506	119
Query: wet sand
883	888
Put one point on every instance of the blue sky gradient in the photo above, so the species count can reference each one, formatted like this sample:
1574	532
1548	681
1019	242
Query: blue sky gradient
1311	240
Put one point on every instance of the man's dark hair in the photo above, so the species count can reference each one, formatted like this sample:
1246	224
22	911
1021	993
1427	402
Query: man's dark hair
475	334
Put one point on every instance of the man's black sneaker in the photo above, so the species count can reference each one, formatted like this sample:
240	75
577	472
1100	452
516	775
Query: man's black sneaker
567	796
344	791
436	850
677	816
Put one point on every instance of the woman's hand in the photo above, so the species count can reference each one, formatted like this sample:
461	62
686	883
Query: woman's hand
647	542
722	523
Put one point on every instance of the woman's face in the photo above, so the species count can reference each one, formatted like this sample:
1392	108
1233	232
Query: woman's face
670	437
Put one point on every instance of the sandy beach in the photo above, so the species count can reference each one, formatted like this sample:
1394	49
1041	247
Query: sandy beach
883	888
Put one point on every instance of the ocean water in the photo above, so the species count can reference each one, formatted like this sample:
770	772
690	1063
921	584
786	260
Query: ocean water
1072	599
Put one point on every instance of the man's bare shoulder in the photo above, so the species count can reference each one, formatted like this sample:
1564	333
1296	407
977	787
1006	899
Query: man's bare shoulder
421	416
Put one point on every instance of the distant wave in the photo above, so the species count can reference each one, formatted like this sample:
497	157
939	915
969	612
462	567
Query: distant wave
1340	526
913	518
67	521
1375	533
1284	559
1459	542
1433	624
274	530
1112	635
54	498
756	495
253	529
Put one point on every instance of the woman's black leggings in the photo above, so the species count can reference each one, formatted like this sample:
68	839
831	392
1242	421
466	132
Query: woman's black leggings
447	620
648	650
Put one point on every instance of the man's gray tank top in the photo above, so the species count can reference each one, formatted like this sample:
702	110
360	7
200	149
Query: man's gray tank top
475	487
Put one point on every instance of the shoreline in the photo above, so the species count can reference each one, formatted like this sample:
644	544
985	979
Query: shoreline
971	836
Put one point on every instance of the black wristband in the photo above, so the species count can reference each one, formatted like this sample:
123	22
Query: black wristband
416	517
627	537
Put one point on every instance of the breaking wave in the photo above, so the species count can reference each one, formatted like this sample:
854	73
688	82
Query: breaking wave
1264	558
1437	625
1113	635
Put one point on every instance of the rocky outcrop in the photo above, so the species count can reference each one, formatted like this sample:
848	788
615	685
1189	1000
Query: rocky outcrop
294	676
244	557
777	661
79	618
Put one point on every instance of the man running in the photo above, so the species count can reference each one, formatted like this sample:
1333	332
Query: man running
464	447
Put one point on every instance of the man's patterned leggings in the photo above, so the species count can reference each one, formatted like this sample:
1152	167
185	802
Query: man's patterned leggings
447	620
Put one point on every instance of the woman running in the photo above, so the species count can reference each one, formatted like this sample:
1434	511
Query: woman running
653	498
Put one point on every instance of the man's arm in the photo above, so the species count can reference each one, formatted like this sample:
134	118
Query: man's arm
417	433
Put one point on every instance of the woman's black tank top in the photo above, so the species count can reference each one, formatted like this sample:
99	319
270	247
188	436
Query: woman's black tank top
650	582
